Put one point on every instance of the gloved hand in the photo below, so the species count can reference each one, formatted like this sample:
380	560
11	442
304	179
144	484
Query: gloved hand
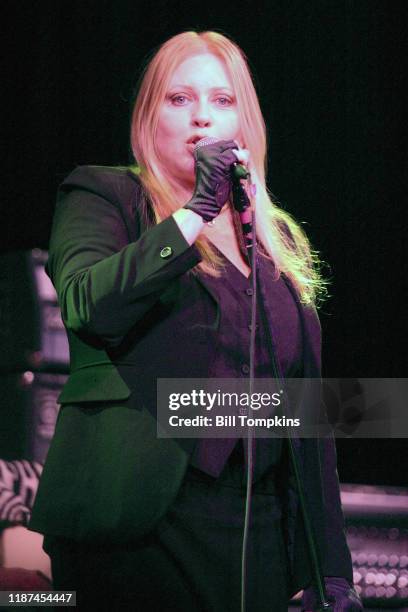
213	178
341	594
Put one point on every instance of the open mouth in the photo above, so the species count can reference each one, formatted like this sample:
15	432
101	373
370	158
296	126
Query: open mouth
194	139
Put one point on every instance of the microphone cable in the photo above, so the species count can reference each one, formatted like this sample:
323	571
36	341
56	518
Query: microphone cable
245	206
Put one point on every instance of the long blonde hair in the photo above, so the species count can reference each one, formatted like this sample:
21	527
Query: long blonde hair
280	236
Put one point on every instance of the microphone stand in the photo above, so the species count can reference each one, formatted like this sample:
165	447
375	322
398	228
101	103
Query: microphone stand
242	204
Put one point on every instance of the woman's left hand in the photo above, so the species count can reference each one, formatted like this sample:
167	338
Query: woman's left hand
339	591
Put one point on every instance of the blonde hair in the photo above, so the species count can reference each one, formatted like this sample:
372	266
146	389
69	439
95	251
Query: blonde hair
281	237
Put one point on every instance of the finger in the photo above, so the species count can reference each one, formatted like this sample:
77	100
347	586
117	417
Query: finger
228	158
227	144
242	155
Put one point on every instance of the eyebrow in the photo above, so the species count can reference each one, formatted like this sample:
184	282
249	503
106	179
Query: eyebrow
181	86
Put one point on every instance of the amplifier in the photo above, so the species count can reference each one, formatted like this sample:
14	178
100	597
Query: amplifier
32	335
377	534
28	413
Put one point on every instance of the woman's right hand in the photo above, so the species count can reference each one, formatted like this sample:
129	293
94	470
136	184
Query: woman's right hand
213	178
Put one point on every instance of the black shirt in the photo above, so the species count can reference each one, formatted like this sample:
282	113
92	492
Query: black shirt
234	294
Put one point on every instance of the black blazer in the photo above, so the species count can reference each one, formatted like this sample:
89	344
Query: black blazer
107	476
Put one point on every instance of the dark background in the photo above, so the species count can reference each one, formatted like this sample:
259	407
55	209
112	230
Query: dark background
330	76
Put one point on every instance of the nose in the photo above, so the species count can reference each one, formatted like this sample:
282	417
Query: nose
201	114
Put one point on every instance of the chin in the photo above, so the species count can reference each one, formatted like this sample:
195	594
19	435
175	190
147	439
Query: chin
187	172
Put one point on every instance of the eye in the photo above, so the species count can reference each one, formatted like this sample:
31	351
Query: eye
224	101
178	99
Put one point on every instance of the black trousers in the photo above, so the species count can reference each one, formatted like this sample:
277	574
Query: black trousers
191	562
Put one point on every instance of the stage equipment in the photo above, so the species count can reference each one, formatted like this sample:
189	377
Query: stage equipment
32	334
29	409
377	534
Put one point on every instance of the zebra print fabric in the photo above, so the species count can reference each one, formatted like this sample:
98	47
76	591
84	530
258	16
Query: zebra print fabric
18	488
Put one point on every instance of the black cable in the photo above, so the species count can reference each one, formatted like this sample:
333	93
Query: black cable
248	219
314	558
252	248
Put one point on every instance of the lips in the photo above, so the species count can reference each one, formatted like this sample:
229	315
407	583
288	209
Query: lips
194	139
191	143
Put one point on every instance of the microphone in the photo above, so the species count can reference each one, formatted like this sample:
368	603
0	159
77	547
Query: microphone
240	197
238	170
242	205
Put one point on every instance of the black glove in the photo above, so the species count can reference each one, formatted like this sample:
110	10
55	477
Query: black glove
213	178
343	596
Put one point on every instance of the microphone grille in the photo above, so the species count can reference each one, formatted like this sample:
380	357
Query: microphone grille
209	140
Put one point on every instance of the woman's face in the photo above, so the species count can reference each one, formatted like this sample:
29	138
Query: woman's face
199	102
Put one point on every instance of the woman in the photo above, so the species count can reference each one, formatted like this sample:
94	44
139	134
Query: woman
153	281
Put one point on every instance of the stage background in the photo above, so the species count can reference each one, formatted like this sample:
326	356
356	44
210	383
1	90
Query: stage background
330	76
